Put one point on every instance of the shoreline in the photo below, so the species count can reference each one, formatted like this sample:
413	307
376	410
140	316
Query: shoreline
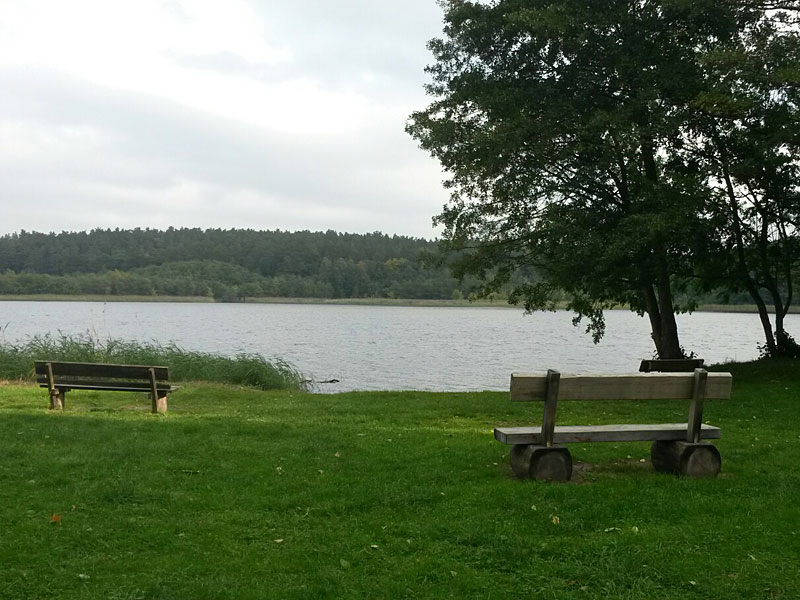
405	302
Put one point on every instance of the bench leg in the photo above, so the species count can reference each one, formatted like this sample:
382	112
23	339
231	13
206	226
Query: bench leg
58	399
686	458
160	405
553	463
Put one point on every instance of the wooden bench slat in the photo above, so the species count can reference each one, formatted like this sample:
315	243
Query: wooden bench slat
76	369
603	433
122	386
636	386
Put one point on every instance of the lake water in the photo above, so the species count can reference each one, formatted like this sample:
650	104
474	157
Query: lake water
391	347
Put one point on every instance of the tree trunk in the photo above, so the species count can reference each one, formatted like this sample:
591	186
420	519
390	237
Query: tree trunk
763	314
651	304
670	344
781	309
663	327
660	308
742	269
661	312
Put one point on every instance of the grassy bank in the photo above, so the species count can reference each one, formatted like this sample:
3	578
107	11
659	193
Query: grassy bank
16	361
266	300
247	494
99	298
498	303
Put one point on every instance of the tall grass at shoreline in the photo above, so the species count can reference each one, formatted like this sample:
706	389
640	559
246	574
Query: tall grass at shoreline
247	369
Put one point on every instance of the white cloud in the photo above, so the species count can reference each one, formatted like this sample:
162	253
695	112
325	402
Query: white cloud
262	114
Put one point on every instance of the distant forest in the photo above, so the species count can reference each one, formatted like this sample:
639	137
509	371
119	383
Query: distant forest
231	265
227	265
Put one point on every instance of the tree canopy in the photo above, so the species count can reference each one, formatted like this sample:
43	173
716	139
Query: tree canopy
566	128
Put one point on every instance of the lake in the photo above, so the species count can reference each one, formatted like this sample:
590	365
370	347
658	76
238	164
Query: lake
392	347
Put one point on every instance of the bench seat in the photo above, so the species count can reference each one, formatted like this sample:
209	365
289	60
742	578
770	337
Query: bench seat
126	386
603	433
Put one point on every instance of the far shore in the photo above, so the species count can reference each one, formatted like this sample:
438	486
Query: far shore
483	303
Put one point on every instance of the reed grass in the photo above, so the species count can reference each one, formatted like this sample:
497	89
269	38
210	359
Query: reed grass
246	369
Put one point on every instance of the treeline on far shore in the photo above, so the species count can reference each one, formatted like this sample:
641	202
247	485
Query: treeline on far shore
228	283
232	265
227	265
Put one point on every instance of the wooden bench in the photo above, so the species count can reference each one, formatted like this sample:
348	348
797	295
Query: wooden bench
61	377
677	447
671	365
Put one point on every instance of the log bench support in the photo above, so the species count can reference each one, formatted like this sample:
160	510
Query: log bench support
677	447
61	377
547	463
58	399
686	458
158	399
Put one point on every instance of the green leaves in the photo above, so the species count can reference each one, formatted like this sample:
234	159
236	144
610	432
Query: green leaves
577	137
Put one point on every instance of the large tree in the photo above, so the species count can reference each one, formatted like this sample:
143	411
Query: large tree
747	136
562	127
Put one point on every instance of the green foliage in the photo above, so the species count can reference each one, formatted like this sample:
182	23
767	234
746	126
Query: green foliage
746	137
253	370
228	265
576	138
554	119
244	494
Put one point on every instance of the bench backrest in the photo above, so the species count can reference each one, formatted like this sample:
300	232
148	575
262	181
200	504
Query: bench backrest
635	386
553	387
111	371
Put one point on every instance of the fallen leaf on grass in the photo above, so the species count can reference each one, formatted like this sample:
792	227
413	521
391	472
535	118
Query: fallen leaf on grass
55	519
278	541
556	520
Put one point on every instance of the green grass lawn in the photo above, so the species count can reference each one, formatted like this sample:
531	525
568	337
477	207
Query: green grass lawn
238	494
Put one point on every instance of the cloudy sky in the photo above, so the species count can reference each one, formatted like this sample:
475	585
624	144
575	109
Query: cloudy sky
263	114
